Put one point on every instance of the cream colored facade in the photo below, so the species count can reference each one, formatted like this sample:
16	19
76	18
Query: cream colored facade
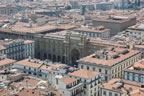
135	72
70	87
52	72
99	31
110	68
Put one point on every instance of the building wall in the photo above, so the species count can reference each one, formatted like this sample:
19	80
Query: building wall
105	92
115	71
75	90
29	50
127	24
91	85
134	76
15	35
19	50
96	34
115	27
3	77
104	6
136	34
15	50
105	71
8	10
6	66
65	50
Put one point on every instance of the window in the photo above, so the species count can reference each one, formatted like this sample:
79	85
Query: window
40	75
116	94
85	86
104	92
87	67
93	69
94	94
84	92
29	72
91	85
34	73
110	93
95	84
99	70
106	71
106	78
91	91
81	66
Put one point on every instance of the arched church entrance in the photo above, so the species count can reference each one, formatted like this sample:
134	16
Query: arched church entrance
74	56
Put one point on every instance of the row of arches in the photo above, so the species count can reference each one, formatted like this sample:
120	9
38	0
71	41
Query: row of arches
54	58
74	56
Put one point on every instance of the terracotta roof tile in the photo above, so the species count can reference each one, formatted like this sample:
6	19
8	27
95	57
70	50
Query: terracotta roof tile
67	80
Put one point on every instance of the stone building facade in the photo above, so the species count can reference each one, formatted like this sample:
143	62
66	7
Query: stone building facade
8	10
110	62
135	72
17	49
115	24
62	48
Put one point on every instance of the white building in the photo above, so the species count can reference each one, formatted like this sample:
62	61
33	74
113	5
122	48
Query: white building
99	31
70	87
135	72
136	31
110	61
17	49
53	72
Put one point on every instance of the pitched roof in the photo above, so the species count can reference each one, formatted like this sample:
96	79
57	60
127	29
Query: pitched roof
67	80
84	73
6	61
